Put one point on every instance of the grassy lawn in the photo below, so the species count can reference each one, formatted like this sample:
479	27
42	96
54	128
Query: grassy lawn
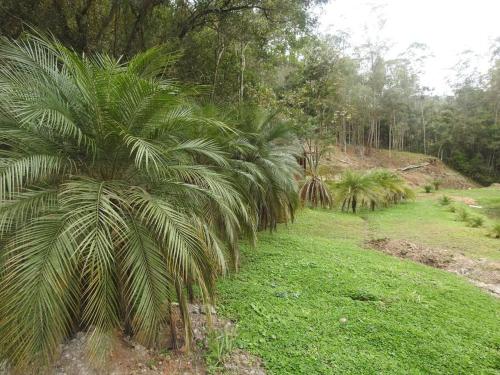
310	300
430	224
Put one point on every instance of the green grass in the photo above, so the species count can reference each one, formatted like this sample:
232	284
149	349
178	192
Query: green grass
297	288
489	198
427	222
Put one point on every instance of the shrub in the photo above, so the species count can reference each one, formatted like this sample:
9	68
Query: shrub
452	208
495	230
445	200
475	221
463	214
116	196
428	188
393	187
436	184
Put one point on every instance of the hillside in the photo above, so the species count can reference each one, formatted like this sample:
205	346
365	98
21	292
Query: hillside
430	168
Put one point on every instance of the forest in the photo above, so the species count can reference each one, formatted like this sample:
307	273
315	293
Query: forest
164	163
354	95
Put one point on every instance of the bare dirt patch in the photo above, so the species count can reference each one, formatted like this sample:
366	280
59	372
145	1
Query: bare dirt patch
432	169
482	272
466	200
130	358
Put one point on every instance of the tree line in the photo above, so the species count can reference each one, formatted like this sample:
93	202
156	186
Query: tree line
268	53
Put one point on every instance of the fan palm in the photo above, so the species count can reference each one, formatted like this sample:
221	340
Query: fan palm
109	202
356	190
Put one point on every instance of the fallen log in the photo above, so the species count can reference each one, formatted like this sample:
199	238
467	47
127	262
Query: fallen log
415	166
343	161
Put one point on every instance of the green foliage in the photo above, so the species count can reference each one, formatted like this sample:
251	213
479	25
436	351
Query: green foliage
356	190
445	200
393	186
350	296
220	343
264	166
314	192
495	230
371	190
436	184
117	193
463	214
475	221
428	188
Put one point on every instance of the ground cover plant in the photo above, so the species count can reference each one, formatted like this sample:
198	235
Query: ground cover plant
311	299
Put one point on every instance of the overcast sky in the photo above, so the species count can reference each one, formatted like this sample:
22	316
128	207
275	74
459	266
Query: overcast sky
448	27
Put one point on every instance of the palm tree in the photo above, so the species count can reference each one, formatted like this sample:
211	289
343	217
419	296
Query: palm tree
315	192
110	202
356	190
265	166
393	186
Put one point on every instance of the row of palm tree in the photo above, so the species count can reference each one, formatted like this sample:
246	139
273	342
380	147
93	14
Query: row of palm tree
378	188
118	194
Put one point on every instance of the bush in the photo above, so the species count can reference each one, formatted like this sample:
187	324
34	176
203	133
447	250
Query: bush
445	200
452	208
463	214
475	221
436	184
428	188
378	188
495	230
393	187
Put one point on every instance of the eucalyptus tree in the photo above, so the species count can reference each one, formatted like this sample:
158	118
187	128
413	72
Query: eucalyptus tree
111	198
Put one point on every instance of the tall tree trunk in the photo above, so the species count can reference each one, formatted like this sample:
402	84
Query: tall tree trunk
219	54
423	125
243	47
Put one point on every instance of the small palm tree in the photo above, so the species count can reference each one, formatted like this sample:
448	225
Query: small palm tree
315	192
110	201
356	190
393	186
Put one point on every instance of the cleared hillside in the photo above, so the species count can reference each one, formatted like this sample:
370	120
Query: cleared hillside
421	169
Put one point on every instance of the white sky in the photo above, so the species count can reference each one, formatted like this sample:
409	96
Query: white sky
447	27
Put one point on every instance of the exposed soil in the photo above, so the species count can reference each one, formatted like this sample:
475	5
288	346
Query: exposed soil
130	358
466	200
483	273
338	161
